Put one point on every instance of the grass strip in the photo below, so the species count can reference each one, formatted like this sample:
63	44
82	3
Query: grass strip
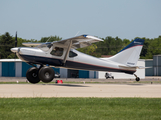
80	108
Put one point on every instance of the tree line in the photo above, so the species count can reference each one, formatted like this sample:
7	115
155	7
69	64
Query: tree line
110	46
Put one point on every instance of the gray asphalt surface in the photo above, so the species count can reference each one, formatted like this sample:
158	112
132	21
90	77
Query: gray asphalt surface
79	90
23	79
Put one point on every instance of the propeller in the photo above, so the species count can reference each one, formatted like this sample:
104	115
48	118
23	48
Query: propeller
16	39
15	42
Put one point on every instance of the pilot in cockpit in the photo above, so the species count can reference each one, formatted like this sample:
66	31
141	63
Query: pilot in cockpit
57	51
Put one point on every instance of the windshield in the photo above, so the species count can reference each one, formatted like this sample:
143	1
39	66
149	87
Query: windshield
45	46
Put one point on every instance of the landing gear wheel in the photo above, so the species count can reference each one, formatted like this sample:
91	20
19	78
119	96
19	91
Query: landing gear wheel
32	75
46	74
137	79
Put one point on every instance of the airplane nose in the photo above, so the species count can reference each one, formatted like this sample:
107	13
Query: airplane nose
14	49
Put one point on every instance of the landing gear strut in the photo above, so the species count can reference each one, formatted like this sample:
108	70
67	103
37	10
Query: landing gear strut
45	74
137	78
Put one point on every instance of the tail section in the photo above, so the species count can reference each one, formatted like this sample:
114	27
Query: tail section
130	54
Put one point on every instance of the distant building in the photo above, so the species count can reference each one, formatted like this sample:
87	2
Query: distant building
18	68
157	65
149	70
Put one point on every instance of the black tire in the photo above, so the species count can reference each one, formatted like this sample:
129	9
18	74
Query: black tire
32	75
137	79
46	74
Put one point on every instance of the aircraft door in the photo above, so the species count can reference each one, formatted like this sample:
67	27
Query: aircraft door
57	56
57	51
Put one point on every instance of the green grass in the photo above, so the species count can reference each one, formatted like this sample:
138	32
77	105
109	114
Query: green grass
80	108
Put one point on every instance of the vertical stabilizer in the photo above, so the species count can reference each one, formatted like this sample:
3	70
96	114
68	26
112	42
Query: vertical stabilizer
130	54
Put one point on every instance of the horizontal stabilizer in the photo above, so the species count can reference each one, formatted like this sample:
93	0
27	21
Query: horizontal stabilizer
128	67
141	67
134	67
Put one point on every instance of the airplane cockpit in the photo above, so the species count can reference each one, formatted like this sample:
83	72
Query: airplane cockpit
45	46
57	51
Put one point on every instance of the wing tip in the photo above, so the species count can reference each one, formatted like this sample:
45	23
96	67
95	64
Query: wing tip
85	36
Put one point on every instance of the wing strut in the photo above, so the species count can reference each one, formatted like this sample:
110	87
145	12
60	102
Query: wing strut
65	58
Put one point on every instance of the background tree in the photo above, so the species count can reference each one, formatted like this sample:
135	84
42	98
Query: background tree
110	46
6	43
52	38
90	50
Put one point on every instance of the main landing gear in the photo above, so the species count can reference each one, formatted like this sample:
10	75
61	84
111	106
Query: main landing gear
137	78
44	73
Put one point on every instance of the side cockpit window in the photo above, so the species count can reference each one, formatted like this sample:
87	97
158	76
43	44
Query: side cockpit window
57	51
72	54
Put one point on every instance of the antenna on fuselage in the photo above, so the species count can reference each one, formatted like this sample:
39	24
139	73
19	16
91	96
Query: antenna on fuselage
15	42
48	39
77	33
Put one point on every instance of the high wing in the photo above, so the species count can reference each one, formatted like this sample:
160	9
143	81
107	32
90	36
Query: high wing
76	42
29	44
80	41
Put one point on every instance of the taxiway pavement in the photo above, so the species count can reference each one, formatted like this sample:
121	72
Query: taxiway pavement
80	90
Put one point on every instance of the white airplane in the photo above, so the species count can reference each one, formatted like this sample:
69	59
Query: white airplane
63	54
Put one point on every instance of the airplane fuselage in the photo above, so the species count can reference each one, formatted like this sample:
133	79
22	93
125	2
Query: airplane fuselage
79	61
63	54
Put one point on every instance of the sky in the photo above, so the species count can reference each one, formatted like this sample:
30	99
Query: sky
127	19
